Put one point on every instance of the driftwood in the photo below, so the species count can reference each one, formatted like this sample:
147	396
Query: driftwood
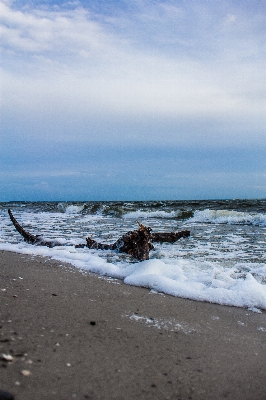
170	237
137	243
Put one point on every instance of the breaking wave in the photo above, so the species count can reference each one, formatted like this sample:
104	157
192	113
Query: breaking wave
74	209
139	214
229	217
70	208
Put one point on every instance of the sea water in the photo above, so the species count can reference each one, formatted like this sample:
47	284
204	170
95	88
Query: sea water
223	261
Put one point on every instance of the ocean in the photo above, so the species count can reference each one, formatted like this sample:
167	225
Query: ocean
223	261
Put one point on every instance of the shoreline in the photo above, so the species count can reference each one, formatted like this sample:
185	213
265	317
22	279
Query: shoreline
84	336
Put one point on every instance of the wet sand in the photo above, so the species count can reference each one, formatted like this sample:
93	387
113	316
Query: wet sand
74	335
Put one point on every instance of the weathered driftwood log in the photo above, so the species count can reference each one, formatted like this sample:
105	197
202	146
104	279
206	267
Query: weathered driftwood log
27	236
170	237
137	243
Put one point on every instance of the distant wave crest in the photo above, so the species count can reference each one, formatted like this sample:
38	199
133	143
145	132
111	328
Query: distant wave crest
229	217
70	209
139	214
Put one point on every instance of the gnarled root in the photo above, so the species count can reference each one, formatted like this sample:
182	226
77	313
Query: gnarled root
138	243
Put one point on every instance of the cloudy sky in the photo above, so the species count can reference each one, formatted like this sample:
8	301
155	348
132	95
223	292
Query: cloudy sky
133	99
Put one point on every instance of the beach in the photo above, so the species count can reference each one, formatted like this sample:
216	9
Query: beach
222	261
70	334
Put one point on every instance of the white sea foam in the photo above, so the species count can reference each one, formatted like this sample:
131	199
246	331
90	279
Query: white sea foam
74	209
204	281
160	323
262	329
152	214
70	208
229	217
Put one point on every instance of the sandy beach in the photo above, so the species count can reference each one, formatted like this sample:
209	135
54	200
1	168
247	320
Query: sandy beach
67	334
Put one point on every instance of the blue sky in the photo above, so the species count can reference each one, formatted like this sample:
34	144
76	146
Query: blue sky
133	100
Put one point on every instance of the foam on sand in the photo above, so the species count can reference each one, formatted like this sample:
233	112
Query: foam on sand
203	281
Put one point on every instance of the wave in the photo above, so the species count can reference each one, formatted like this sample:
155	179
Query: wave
70	209
229	217
74	209
151	214
123	210
139	214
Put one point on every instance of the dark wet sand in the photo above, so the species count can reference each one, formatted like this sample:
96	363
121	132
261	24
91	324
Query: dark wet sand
72	332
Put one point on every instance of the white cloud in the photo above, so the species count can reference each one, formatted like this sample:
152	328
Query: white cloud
161	61
44	30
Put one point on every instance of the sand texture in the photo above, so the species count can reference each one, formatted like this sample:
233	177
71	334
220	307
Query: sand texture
65	335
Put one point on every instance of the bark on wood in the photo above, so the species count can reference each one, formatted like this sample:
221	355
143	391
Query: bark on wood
170	237
137	243
27	236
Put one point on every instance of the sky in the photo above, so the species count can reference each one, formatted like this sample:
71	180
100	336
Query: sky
132	100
